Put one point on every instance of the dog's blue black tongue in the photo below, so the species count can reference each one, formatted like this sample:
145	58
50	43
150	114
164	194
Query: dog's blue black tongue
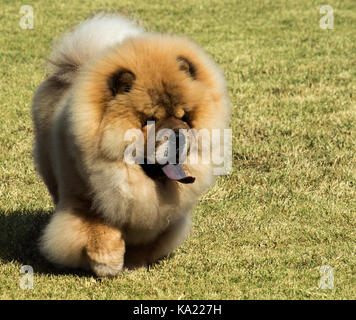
177	173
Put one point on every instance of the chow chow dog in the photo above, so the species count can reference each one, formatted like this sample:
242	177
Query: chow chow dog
106	77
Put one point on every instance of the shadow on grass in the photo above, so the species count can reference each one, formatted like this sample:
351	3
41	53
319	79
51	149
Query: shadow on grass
19	234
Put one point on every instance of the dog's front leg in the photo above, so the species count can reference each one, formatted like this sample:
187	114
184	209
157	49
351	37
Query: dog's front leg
75	239
105	249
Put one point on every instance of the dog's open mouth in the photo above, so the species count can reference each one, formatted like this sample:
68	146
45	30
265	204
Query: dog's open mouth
173	172
171	147
177	172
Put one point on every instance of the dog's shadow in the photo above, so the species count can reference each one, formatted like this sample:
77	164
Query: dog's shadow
20	231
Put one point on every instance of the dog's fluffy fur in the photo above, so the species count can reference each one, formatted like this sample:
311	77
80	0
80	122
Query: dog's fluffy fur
108	76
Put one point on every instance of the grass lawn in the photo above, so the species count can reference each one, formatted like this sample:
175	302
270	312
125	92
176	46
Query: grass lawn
262	232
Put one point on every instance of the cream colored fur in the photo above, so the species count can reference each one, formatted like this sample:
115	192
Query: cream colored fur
108	212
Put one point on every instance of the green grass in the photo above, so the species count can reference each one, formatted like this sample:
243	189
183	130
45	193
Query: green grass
262	232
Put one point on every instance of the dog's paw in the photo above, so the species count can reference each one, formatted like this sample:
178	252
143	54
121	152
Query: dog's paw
105	251
104	270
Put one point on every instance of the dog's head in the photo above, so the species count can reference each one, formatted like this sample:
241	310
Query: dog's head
150	84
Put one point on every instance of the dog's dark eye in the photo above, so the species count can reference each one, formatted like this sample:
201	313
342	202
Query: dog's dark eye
121	82
187	66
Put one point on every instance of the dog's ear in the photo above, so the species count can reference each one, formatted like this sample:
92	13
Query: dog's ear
121	82
187	66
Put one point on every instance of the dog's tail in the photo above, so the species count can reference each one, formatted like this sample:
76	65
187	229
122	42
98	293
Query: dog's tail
87	40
